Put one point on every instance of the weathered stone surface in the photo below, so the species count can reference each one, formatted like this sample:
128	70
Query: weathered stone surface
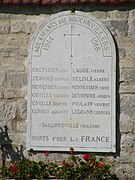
119	14
128	62
7	110
21	126
2	77
128	44
4	28
127	75
9	51
127	141
126	158
127	88
35	20
11	93
124	117
14	125
22	109
100	14
127	105
13	65
17	79
13	51
117	27
125	172
132	27
1	93
19	16
126	127
4	16
132	13
20	40
24	51
18	26
18	139
131	50
122	53
12	60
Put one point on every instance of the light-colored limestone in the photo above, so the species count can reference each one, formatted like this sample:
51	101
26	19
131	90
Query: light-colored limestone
4	28
22	104
16	79
20	26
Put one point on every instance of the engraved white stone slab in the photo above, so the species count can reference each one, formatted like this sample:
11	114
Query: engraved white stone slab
71	87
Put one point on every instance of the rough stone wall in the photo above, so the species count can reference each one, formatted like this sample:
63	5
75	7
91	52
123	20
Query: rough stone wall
16	28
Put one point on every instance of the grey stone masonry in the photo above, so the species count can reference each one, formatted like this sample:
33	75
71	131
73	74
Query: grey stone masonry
16	28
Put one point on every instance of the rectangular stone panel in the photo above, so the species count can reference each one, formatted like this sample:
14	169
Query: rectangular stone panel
71	89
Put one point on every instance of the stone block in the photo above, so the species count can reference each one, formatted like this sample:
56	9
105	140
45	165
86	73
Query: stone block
22	112
127	88
19	16
11	93
4	28
100	14
126	126
5	16
36	19
127	62
17	79
21	126
122	53
2	77
125	158
131	30
127	141
9	51
18	139
18	26
1	93
33	26
119	14
7	110
125	172
13	65
126	43
132	13
14	125
127	75
4	61
127	105
117	27
124	117
131	49
24	51
18	40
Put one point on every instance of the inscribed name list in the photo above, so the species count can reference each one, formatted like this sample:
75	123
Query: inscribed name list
71	89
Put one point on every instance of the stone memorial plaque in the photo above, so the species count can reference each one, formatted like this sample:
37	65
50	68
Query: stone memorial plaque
71	87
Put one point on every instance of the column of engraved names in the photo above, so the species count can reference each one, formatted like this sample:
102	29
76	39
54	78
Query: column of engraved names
90	92
50	90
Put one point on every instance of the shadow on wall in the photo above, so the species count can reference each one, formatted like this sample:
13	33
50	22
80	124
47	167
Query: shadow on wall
7	149
52	9
118	134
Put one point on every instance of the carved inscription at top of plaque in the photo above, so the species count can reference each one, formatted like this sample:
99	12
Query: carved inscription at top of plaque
71	90
46	35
